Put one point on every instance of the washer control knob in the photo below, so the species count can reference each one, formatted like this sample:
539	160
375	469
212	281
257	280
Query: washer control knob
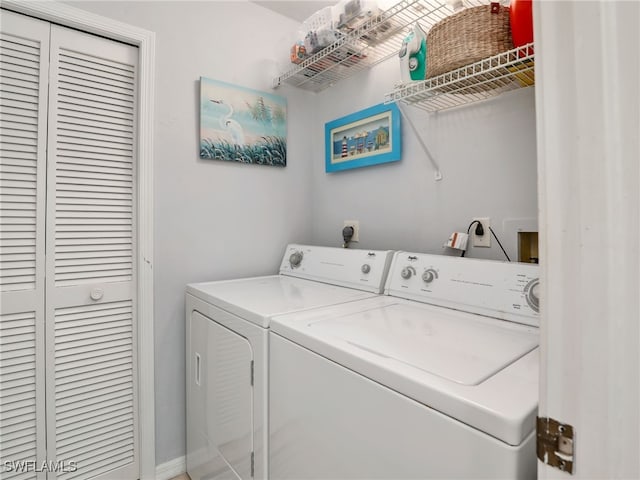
406	272
366	268
429	276
295	259
531	292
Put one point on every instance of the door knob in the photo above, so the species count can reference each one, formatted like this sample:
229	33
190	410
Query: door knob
97	294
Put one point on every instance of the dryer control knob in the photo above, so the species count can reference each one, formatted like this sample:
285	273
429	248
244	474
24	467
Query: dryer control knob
429	276
366	268
531	292
295	259
406	272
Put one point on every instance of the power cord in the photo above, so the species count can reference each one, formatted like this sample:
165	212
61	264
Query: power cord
480	232
347	235
497	240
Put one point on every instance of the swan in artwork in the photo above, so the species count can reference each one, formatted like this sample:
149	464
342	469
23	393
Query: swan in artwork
231	126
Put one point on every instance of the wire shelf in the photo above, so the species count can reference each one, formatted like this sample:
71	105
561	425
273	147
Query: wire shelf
376	40
478	81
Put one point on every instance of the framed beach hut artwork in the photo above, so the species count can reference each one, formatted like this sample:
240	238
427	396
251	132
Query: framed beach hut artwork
368	137
239	124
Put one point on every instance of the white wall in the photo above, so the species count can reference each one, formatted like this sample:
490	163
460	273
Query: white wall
487	155
213	219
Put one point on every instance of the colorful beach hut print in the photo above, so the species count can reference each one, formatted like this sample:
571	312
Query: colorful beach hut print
368	137
361	141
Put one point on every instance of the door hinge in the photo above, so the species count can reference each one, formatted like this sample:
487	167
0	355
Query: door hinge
252	362
253	464
554	443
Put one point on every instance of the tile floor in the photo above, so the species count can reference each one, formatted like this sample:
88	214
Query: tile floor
184	476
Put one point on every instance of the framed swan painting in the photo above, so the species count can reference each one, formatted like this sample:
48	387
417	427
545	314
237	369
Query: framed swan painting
242	125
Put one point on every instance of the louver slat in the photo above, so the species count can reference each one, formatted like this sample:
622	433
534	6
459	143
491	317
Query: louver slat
71	115
94	172
122	396
94	355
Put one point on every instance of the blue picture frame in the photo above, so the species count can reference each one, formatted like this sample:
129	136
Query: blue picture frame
369	137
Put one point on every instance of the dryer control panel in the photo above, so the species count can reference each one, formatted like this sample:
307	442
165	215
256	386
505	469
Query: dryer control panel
505	290
347	267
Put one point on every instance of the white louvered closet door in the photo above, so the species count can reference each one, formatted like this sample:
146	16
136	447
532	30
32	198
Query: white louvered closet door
90	334
24	53
67	342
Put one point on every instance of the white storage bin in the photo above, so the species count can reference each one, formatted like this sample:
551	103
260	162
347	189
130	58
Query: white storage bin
350	14
321	20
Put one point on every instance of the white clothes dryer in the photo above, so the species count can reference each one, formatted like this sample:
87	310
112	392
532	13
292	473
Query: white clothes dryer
227	350
437	380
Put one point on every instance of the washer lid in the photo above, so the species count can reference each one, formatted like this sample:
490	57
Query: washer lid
466	349
469	367
257	299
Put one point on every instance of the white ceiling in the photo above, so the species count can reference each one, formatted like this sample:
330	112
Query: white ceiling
298	10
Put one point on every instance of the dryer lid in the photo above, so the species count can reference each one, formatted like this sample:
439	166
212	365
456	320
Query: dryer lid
456	346
257	299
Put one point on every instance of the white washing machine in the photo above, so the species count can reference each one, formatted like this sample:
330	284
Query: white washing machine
437	380
227	350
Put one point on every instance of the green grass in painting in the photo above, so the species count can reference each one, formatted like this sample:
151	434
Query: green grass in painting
270	151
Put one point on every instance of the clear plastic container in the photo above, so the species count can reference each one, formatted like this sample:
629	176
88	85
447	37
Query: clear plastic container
315	41
321	20
350	14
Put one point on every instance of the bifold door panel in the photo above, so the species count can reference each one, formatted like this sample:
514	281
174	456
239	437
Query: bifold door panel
68	282
24	69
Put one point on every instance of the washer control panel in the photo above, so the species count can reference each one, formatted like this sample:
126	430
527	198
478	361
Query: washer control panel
362	269
505	290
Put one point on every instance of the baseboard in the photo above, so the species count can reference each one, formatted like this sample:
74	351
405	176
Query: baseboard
171	469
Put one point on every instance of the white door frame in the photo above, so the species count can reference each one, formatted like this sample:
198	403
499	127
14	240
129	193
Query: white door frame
587	109
145	41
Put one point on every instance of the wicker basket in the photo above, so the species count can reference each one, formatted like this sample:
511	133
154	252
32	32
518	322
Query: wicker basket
467	37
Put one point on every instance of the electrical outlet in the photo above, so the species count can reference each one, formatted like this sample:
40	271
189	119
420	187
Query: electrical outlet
484	240
356	229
